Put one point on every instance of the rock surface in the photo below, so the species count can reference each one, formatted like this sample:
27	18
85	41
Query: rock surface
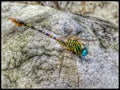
107	10
32	60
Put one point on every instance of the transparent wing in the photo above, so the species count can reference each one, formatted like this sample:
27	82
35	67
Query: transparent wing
86	39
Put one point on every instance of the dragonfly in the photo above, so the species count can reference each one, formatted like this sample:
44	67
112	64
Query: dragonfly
73	45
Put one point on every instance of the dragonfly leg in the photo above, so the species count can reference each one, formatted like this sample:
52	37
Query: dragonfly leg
82	59
67	51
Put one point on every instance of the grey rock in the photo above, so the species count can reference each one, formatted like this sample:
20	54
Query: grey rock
32	60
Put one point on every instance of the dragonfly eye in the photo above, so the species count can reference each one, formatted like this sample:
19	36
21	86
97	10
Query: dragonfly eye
84	51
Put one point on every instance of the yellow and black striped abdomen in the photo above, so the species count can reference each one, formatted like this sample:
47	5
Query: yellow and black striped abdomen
74	46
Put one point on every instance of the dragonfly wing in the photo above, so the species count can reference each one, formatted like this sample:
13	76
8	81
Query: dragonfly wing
86	39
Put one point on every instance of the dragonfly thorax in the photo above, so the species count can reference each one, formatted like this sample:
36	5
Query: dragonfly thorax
74	46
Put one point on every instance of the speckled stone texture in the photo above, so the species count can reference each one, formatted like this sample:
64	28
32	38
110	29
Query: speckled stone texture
32	60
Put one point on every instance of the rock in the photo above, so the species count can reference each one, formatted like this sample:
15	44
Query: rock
33	60
92	8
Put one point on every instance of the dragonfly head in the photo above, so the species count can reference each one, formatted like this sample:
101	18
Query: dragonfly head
85	51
